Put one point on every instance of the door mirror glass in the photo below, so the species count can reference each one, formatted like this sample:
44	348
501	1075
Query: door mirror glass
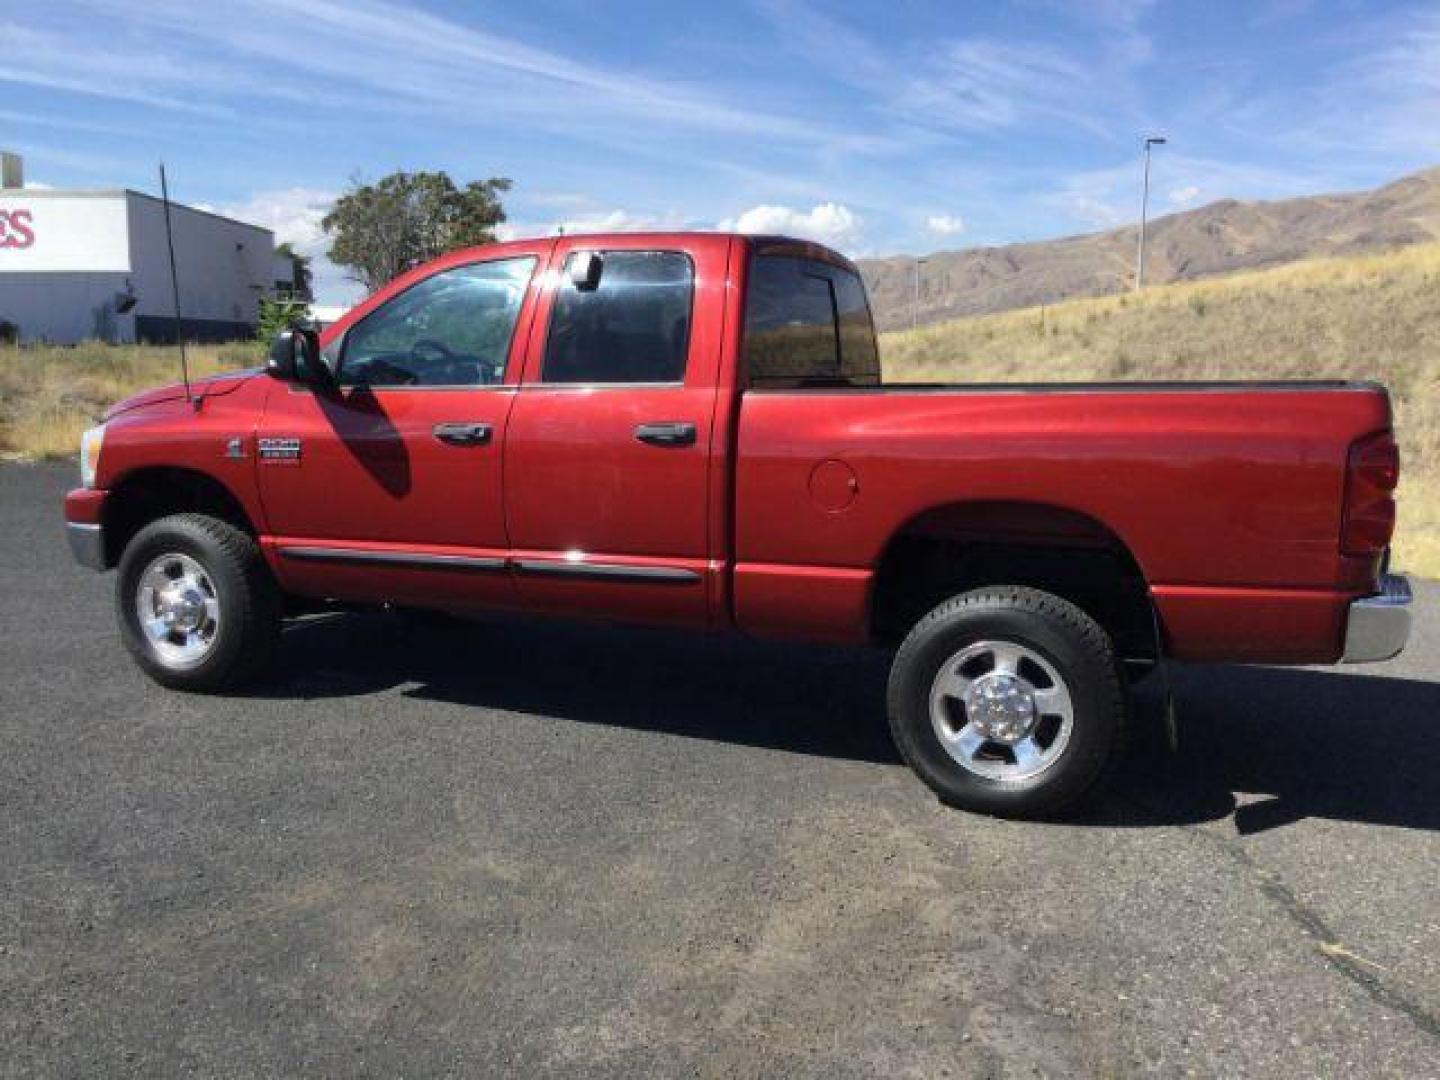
585	268
295	356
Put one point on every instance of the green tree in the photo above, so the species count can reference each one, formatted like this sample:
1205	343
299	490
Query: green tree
380	230
279	314
303	276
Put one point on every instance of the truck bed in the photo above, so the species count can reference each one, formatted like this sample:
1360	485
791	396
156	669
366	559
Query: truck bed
1227	495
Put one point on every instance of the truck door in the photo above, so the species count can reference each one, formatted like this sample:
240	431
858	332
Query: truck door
387	486
607	459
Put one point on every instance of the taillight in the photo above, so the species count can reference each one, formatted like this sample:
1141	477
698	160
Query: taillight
1370	478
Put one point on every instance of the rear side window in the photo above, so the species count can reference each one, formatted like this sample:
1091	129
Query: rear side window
632	325
807	323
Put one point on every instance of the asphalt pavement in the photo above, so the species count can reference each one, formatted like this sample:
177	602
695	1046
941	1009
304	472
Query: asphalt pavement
500	848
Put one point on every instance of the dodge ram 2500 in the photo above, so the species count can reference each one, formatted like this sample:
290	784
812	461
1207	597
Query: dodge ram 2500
692	430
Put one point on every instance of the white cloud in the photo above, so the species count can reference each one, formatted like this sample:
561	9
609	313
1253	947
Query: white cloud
945	224
293	214
611	221
830	223
589	221
1184	196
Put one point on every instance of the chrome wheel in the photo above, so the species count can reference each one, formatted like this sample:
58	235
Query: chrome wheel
1001	710
178	610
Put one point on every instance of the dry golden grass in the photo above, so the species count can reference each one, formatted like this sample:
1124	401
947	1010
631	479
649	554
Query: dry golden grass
49	395
1366	317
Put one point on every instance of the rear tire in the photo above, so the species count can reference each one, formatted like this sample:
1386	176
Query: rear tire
1008	701
198	607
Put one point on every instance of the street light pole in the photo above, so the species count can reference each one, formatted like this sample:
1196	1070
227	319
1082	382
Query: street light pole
915	303
1150	140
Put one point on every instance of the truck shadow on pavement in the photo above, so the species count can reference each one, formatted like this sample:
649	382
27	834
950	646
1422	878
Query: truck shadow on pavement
1272	746
799	699
1291	743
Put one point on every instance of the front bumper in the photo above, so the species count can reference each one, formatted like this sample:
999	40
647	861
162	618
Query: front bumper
84	528
1378	626
87	544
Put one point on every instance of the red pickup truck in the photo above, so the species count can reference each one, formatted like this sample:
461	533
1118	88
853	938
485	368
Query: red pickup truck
691	430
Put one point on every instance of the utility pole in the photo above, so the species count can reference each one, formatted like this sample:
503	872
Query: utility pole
915	303
1150	140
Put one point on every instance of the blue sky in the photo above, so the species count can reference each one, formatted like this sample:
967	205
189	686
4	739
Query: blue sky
903	126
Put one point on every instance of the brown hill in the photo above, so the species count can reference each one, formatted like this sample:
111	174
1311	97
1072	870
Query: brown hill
1219	238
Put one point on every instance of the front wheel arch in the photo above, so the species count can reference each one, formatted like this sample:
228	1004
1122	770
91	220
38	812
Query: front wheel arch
149	494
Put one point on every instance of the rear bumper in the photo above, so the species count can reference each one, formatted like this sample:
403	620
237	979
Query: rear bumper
1377	627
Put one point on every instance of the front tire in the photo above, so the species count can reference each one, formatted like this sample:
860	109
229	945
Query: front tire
198	607
1008	701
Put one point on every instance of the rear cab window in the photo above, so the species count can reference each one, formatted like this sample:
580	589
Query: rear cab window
807	323
629	322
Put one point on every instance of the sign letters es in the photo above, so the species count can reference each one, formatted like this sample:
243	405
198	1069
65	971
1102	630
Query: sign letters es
17	229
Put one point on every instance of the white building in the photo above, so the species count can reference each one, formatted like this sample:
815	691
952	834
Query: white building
76	265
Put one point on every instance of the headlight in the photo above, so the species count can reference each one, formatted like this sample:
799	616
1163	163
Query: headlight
90	454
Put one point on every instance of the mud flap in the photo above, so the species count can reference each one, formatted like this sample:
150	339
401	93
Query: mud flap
1172	714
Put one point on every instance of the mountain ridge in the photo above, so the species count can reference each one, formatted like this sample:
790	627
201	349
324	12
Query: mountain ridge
1218	238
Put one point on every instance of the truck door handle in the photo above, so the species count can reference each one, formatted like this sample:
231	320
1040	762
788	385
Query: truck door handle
666	434
462	433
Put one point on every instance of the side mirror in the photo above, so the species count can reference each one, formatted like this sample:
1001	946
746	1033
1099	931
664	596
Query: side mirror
295	356
585	270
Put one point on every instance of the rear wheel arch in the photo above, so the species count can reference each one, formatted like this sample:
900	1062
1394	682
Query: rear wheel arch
955	547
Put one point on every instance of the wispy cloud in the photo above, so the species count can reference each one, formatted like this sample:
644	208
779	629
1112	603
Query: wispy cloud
50	62
91	163
982	85
1380	100
52	122
1105	198
976	83
401	57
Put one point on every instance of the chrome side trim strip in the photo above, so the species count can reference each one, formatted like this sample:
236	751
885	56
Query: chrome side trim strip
543	567
418	560
674	575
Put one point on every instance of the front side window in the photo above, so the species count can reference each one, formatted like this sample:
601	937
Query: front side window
451	329
629	324
807	323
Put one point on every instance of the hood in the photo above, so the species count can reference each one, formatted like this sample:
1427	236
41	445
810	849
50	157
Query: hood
214	386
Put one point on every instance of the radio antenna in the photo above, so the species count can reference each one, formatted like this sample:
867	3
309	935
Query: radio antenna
175	287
